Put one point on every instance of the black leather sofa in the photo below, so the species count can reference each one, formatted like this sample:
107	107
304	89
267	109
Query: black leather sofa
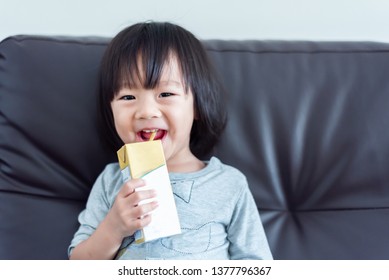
308	125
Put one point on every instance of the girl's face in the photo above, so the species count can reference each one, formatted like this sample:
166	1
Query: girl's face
167	109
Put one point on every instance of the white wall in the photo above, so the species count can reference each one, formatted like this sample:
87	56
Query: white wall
222	19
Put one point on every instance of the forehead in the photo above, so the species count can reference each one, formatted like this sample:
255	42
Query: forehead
150	74
171	71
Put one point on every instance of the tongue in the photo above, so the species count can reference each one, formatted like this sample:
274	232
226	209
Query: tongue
146	135
159	134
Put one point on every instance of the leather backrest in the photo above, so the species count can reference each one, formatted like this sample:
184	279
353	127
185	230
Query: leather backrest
50	147
307	125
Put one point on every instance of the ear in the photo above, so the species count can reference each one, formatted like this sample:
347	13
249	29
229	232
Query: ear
195	113
196	117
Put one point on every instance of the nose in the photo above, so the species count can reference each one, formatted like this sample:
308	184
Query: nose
147	108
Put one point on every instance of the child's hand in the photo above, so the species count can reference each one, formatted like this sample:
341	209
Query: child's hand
127	215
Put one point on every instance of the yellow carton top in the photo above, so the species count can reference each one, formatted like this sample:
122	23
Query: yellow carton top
141	157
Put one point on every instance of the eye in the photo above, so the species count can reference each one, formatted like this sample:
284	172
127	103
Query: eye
127	97
166	94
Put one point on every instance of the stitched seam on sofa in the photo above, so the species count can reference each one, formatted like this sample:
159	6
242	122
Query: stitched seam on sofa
61	39
42	196
300	52
325	210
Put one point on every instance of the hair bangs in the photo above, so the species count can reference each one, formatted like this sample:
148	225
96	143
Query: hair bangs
142	64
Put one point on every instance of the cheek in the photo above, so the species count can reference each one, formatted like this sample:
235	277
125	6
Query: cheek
186	122
121	123
119	129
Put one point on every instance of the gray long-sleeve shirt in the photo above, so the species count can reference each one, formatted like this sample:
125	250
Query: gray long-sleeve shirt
218	216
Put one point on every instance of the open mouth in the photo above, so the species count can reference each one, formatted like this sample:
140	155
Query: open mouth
146	134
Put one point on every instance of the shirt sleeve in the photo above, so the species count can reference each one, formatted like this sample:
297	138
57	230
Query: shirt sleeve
96	209
245	232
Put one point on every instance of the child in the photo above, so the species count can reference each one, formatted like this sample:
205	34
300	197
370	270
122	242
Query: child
157	77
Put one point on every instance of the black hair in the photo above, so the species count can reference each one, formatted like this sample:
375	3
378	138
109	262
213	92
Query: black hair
154	43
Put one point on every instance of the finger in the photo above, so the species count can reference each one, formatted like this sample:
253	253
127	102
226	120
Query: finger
146	209
130	186
142	222
141	196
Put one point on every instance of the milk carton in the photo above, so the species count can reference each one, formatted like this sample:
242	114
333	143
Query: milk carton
146	160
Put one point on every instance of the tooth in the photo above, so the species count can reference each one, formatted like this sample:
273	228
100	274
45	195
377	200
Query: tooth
150	131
